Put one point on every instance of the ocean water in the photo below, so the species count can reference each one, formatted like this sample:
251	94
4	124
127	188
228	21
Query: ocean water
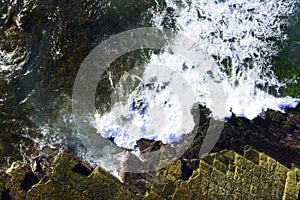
252	44
240	37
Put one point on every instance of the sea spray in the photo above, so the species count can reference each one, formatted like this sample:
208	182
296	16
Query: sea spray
240	37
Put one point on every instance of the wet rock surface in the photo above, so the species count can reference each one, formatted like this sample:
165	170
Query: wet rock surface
274	133
236	169
61	41
221	175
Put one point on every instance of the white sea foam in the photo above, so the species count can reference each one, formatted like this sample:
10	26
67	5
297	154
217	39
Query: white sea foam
13	61
246	33
243	33
155	110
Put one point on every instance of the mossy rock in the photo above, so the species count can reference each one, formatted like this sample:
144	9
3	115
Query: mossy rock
174	171
73	179
152	196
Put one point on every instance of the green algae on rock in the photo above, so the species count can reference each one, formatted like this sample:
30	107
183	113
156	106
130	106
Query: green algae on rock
63	182
225	175
248	180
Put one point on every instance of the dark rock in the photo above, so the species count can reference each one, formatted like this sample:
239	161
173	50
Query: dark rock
29	180
81	169
266	133
186	172
6	195
146	145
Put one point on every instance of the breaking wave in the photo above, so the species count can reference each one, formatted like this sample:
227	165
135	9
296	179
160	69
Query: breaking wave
240	37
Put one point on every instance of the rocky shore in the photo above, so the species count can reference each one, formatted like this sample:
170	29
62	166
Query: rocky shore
257	159
221	175
45	43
